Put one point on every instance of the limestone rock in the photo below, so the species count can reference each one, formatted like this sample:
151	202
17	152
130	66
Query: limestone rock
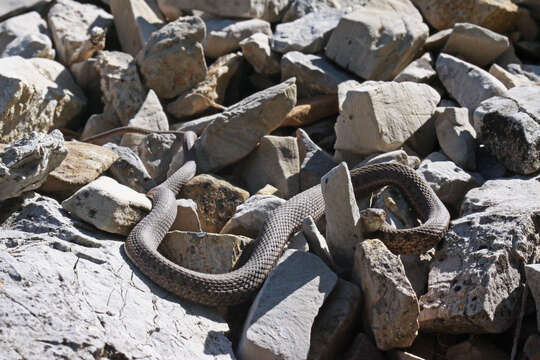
216	200
475	276
420	71
108	205
380	117
129	170
210	92
498	16
11	8
299	8
456	136
510	128
279	322
275	162
78	30
317	242
358	44
251	215
172	60
390	303
314	74
135	21
98	123
467	83
437	41
267	190
342	215
27	36
256	50
156	152
224	35
187	218
308	34
26	163
56	257
84	163
86	75
532	273
530	71
204	252
246	122
509	79
314	161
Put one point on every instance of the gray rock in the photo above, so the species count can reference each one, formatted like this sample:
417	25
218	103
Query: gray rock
276	162
78	30
317	243
11	8
129	170
314	161
26	163
390	304
475	44
475	276
298	242
247	121
530	71
256	50
509	79
531	348
169	9
98	123
343	230
187	218
510	129
156	152
467	83
476	348
27	36
449	181
308	34
279	322
224	35
363	348
299	8
376	45
86	74
456	136
314	74
108	205
419	71
121	85
437	41
399	156
172	60
251	215
71	294
532	273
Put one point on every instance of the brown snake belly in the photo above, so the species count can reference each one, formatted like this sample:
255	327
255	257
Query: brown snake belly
241	284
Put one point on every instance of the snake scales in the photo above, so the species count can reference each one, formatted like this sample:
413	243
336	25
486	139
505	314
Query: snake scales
239	285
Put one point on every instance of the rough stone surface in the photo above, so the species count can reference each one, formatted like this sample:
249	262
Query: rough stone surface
509	79
437	41
32	101
172	60
72	293
390	303
216	200
275	162
98	123
456	136
204	252
278	325
26	163
532	273
11	8
467	83
84	163
420	71
498	16
299	8
187	218
314	161
363	348
510	128
210	91
78	30
530	71
27	36
308	34
108	205
256	50
156	152
314	74
376	45
251	215
246	122
224	35
317	242
475	44
475	276
129	170
342	215
380	117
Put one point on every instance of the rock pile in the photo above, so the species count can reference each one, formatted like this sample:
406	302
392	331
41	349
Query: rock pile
283	95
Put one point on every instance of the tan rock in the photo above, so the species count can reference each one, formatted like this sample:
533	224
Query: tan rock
216	200
256	50
509	79
267	190
187	218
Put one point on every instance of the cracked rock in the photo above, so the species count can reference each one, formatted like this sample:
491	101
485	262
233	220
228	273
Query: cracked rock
27	36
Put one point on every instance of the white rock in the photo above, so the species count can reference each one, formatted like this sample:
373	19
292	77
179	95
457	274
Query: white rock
27	36
108	205
507	78
78	30
420	71
278	325
256	50
10	8
317	243
156	152
299	8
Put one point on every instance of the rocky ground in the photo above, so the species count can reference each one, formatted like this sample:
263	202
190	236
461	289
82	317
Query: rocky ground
281	94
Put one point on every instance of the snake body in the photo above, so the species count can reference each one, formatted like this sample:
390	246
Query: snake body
241	284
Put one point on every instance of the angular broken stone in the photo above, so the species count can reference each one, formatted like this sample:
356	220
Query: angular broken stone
509	79
299	8
26	163
420	71
27	36
108	205
11	8
172	60
314	161
280	319
532	273
129	170
256	50
156	152
317	243
187	218
261	113
78	30
357	44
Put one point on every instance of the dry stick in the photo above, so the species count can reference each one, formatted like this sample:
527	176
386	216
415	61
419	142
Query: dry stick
128	129
517	333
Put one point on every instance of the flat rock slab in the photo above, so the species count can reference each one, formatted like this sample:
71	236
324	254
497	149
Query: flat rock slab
72	293
27	36
279	322
9	8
